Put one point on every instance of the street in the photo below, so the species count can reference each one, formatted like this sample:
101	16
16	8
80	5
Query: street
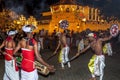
79	69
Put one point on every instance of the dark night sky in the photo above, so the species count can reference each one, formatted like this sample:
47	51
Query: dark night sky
35	7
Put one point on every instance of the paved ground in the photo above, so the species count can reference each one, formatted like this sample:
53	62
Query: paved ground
79	69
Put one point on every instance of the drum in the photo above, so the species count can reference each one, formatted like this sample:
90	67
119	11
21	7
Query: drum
41	68
114	30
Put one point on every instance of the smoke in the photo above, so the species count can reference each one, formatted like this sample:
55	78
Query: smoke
35	7
27	7
42	5
15	6
39	8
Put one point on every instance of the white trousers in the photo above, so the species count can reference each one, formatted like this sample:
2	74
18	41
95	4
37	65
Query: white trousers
29	75
10	72
99	66
63	58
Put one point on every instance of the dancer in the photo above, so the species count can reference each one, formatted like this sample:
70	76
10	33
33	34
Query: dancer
63	56
29	48
97	62
11	69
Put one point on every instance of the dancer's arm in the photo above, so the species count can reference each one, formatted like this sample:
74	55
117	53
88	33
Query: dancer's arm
77	54
82	51
57	48
106	38
40	59
16	49
2	45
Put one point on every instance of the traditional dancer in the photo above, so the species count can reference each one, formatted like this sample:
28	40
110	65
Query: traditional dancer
97	62
63	56
11	69
29	51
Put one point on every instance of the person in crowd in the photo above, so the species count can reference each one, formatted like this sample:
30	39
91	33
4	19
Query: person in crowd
97	62
63	56
29	48
11	68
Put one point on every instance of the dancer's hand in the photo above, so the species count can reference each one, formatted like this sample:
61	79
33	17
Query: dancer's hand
55	52
51	68
77	54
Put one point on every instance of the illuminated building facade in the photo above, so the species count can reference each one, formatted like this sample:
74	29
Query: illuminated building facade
78	16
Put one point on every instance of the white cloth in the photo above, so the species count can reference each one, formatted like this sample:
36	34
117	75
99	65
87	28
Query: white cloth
91	35
65	52
26	29
63	58
39	46
81	45
41	41
12	32
29	75
109	49
10	72
99	66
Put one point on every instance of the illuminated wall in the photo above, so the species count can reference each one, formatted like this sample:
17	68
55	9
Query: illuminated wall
79	17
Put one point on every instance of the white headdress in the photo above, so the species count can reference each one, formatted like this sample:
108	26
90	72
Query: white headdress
92	35
12	32
28	28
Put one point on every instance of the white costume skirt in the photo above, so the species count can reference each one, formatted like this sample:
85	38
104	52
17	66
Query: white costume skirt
10	71
29	75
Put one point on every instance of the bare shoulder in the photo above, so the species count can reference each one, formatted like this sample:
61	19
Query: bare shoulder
4	42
